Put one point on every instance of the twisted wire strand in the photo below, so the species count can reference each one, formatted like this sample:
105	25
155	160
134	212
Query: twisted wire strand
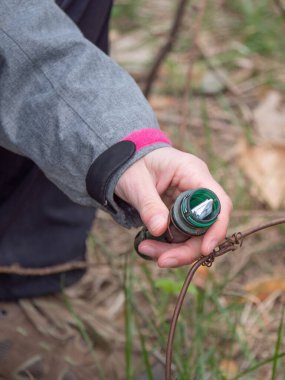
228	245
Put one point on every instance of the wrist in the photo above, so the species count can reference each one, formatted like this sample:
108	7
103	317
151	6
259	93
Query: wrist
109	167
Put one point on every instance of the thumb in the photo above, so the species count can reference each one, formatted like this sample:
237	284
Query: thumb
152	210
138	189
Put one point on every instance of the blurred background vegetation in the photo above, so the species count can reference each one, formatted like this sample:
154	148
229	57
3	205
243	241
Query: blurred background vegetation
219	94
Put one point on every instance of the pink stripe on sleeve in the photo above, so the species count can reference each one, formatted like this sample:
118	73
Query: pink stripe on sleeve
146	137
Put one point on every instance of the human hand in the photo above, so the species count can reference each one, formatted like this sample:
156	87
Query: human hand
152	184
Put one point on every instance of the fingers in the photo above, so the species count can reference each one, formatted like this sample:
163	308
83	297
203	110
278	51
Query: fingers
172	255
201	177
137	186
169	172
193	173
217	232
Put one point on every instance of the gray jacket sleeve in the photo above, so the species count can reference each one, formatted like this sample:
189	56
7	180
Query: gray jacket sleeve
63	101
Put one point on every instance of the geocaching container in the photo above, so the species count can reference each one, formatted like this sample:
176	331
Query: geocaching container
192	214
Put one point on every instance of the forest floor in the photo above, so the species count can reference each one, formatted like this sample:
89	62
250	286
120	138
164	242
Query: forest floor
233	117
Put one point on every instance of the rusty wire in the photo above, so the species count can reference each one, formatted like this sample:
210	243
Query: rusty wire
228	245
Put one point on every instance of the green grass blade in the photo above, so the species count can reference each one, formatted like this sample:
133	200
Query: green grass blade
258	365
128	319
145	356
277	346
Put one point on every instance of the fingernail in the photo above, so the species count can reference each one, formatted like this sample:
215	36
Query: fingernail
147	250
170	262
157	222
212	245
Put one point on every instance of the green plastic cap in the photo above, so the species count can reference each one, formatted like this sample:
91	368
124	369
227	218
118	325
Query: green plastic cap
186	220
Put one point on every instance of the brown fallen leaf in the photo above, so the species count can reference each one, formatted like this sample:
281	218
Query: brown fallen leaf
263	288
201	277
229	368
269	118
264	166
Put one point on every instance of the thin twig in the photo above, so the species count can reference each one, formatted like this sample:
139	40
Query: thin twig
55	269
257	213
281	7
166	48
185	110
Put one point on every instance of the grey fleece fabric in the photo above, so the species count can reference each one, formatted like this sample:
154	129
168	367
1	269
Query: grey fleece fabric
62	100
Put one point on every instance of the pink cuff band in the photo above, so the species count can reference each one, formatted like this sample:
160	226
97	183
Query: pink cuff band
146	137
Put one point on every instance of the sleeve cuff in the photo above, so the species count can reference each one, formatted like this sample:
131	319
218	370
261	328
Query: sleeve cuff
106	170
146	137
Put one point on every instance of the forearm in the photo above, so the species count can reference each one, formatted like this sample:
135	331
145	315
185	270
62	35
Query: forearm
63	102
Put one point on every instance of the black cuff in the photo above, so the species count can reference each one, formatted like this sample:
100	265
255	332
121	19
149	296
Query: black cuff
104	167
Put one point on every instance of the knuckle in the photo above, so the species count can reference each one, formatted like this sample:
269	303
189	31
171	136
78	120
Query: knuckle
148	208
228	202
204	165
201	165
198	162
